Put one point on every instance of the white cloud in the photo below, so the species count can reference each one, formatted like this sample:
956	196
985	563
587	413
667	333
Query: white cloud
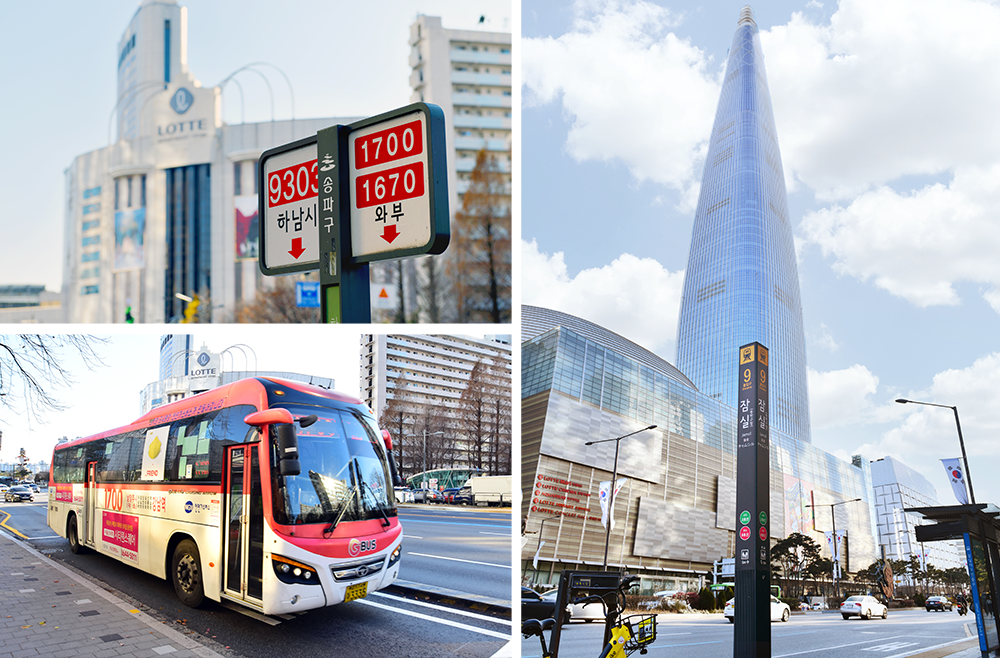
635	92
825	340
634	297
929	434
885	89
917	245
841	397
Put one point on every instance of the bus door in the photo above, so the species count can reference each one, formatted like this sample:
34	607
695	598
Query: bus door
244	527
89	502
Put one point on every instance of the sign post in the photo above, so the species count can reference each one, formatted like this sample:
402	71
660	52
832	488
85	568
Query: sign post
376	189
752	633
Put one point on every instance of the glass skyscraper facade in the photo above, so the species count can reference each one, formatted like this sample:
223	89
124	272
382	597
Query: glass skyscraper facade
742	283
581	382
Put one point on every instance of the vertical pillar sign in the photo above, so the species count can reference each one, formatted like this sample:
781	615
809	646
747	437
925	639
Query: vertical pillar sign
752	632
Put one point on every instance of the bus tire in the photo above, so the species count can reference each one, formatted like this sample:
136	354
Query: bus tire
185	572
74	536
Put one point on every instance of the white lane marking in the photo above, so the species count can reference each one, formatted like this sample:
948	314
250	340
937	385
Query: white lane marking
452	611
936	646
411	537
505	652
498	534
891	646
839	646
455	559
446	622
247	612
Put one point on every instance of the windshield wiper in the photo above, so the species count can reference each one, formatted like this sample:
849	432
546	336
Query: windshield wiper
346	502
357	469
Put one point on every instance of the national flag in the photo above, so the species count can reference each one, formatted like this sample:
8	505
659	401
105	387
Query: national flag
607	510
957	478
534	563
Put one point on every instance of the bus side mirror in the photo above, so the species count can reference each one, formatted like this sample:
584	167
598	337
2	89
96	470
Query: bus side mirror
387	440
288	449
397	480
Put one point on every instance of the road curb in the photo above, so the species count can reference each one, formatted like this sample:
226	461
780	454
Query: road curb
485	604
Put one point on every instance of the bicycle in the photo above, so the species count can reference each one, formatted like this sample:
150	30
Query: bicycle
628	633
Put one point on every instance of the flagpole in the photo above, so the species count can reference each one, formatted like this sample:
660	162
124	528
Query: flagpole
611	492
961	441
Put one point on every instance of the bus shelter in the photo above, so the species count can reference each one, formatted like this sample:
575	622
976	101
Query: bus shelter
978	525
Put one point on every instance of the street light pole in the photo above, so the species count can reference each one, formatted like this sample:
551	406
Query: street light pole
961	441
833	550
611	493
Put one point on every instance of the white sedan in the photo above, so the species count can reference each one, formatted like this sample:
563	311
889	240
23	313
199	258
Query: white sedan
865	607
588	611
779	611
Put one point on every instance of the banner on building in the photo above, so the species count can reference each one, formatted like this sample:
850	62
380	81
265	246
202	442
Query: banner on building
957	478
130	236
246	226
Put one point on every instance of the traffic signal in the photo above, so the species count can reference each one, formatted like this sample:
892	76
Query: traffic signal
128	315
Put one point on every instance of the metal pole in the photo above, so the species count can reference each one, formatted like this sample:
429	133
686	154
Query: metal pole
425	457
835	556
965	459
611	502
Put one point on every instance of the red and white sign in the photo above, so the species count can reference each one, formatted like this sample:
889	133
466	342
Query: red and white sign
745	533
291	221
390	189
763	533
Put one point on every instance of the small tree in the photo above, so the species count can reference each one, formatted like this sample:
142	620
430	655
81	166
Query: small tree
481	268
277	305
397	417
794	556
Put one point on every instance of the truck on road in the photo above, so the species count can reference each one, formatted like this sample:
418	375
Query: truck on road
487	490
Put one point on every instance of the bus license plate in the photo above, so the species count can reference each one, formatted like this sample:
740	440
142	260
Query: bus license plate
356	591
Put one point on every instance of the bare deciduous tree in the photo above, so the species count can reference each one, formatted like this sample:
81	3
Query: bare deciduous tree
277	306
32	369
397	417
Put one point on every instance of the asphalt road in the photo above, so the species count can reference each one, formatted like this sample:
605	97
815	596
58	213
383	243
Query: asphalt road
813	634
441	547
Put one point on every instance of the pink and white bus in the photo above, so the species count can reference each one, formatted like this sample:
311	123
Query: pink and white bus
270	493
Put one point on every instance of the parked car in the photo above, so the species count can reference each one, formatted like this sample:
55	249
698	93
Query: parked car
426	495
939	603
533	606
404	495
3	487
588	612
779	610
19	493
448	495
865	607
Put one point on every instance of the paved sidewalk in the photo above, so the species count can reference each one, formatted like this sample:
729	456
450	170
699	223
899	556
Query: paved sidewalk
47	610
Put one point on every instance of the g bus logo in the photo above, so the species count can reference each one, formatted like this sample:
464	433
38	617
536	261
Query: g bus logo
356	547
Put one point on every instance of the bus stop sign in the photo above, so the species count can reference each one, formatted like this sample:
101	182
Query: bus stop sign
398	184
289	233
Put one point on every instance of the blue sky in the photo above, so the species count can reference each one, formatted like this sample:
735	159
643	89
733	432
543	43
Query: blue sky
344	59
886	118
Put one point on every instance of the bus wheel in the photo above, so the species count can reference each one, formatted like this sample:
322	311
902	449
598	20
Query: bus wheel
185	571
74	537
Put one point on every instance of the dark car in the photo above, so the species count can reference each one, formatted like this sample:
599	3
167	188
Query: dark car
18	494
939	603
533	606
448	495
464	497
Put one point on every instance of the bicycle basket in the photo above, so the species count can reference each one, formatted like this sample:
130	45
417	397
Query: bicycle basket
643	630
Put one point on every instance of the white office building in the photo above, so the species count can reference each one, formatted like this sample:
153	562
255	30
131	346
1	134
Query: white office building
898	487
170	207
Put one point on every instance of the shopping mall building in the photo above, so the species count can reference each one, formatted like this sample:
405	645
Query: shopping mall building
676	514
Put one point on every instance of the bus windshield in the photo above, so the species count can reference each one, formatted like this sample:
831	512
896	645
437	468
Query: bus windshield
344	472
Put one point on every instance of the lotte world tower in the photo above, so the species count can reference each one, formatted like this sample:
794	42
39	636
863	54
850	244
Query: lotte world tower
742	283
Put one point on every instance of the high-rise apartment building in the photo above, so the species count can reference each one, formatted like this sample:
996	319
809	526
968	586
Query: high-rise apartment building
420	382
468	74
742	283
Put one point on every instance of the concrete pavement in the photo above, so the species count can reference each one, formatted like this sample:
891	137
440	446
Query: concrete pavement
48	610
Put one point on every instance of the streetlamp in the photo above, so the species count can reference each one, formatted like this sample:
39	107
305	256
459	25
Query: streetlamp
961	441
834	548
614	477
423	480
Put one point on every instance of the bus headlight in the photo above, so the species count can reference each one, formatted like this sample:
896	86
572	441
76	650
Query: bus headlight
292	572
394	558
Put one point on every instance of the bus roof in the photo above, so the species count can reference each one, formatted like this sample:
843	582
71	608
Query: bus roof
257	391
